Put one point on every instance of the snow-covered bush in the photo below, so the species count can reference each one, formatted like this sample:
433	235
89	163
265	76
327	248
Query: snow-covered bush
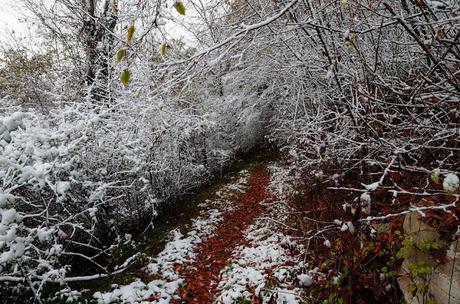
76	179
343	80
352	86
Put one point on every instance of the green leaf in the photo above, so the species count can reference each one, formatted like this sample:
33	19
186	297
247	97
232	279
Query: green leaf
435	246
125	77
180	7
425	245
435	175
120	55
131	30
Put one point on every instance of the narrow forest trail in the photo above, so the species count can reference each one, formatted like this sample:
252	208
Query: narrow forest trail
235	251
201	277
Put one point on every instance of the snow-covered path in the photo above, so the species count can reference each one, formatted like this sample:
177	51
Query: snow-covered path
269	266
202	276
235	252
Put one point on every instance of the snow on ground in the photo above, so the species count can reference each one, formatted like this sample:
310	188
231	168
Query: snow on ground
282	182
225	195
263	269
178	251
269	267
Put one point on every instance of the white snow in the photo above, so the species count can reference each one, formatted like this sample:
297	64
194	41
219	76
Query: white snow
348	226
179	250
330	73
286	296
372	187
92	213
249	267
8	216
305	279
450	183
373	233
62	187
365	200
436	4
351	227
44	234
67	162
5	198
226	193
282	180
267	256
13	121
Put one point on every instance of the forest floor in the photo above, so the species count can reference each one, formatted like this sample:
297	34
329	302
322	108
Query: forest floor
269	234
238	249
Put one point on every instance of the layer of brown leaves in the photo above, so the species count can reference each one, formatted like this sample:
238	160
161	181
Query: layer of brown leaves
214	252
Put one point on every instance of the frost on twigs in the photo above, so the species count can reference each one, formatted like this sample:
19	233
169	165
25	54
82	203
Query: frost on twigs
73	180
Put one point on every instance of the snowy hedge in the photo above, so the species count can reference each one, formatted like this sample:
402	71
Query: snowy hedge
76	179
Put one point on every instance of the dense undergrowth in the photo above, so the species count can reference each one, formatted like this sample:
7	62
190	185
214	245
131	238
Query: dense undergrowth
358	252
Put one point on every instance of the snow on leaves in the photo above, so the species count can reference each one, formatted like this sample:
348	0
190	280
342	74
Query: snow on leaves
66	173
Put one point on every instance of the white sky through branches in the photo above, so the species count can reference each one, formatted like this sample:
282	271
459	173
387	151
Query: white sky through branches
13	24
9	18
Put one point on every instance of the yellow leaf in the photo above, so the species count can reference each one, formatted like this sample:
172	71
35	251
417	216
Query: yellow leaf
120	55
163	49
131	30
350	46
125	77
180	7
